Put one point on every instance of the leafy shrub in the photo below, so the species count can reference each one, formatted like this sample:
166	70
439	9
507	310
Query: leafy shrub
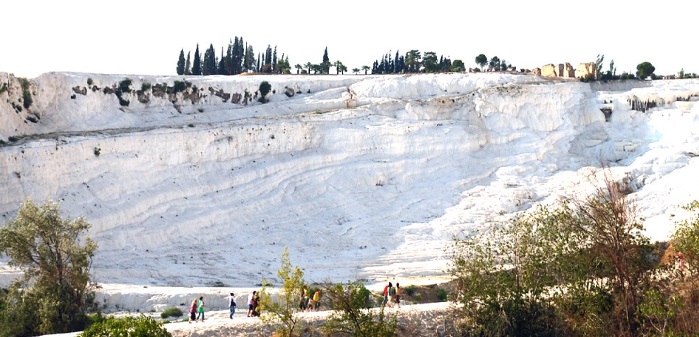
179	86
171	312
349	303
442	295
145	86
3	88
410	290
125	85
97	151
141	326
89	81
26	94
265	88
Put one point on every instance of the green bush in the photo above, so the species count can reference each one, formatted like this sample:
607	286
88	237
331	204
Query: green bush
89	81
125	85
410	290
349	303
141	326
442	295
179	86
171	312
26	94
145	86
265	88
3	88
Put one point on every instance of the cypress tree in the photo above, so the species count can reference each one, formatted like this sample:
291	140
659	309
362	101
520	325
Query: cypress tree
267	68
188	66
249	63
326	61
180	63
210	61
196	67
274	60
236	56
396	65
222	64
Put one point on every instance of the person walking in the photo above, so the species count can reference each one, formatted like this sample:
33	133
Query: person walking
251	298
386	290
398	293
231	304
193	311
200	308
316	300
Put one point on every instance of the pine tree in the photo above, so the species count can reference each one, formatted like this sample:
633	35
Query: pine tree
274	60
236	56
249	63
222	64
196	67
326	62
210	61
188	65
267	68
180	63
240	56
396	65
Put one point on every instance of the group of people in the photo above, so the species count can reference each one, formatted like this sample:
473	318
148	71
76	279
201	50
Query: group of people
196	310
308	303
391	295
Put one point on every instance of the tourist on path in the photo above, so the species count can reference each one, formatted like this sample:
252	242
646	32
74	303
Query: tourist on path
200	308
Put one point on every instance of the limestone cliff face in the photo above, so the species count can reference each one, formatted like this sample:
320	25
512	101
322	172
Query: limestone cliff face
152	175
67	102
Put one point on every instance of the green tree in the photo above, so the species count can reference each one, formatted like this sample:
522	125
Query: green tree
413	61
283	66
283	310
249	61
340	68
494	64
309	66
599	63
188	66
196	66
458	66
644	69
355	71
298	68
365	68
210	67
180	63
326	62
481	60
430	62
55	291
352	314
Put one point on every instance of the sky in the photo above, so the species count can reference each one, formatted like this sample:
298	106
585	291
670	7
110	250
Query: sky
145	37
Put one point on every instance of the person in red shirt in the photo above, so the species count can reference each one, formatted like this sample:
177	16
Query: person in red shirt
386	290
